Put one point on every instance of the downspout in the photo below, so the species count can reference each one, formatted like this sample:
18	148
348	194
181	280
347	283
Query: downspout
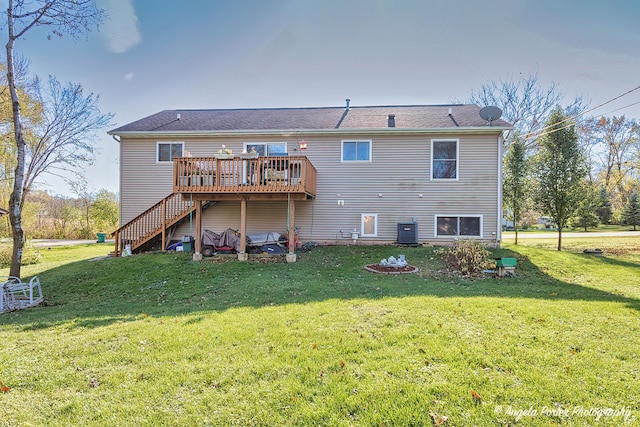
117	242
499	229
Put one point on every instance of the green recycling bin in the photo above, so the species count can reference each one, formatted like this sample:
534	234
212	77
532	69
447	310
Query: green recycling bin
101	237
187	244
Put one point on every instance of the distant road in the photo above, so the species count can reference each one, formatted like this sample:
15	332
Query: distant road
570	234
44	243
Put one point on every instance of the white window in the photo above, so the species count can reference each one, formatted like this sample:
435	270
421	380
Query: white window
458	225
444	159
267	148
356	151
166	151
369	225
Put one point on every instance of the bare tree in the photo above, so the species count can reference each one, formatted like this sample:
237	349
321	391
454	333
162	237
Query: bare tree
59	17
613	144
525	103
84	201
65	138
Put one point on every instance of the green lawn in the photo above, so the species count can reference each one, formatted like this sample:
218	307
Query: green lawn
158	340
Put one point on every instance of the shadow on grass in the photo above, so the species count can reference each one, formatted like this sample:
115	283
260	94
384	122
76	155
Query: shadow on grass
94	294
615	262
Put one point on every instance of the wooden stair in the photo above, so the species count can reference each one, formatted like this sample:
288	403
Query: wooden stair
152	223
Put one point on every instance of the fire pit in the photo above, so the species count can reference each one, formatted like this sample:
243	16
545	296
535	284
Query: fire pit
392	265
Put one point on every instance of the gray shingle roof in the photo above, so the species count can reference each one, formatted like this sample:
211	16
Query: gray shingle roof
321	118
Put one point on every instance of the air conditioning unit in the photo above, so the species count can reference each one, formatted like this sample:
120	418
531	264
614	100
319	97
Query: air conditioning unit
407	233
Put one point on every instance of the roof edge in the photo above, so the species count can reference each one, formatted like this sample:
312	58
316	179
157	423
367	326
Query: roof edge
298	132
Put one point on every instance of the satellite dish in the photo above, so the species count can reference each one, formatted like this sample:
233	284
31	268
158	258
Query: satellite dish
490	114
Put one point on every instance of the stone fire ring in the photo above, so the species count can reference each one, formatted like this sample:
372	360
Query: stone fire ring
383	269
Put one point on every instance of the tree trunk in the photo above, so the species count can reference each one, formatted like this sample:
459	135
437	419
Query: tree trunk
15	201
515	215
559	238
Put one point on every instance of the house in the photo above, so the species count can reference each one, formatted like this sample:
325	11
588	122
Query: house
333	175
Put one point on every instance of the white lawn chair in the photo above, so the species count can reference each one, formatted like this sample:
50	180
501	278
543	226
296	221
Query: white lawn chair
16	294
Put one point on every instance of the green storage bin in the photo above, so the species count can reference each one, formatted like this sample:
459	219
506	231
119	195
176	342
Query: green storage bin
101	237
507	262
188	244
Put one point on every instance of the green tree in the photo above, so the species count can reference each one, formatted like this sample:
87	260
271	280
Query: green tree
104	211
516	180
561	170
604	207
586	212
631	214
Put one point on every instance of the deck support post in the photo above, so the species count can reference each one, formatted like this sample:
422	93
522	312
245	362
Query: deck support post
197	256
242	256
291	256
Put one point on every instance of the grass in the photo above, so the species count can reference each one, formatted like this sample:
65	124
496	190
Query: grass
159	340
599	228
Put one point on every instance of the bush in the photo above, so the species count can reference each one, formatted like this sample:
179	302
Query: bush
469	257
86	233
30	255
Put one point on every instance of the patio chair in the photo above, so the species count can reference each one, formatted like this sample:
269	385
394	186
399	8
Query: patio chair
16	294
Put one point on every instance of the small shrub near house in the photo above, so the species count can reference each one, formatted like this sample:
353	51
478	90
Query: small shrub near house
469	257
30	255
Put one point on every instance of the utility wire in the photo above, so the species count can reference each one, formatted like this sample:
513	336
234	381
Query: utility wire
622	108
544	130
572	124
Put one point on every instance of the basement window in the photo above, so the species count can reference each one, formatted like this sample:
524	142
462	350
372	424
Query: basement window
369	225
459	226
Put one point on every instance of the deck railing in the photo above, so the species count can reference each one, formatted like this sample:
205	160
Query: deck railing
266	174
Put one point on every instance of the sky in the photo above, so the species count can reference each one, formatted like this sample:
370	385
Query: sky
152	55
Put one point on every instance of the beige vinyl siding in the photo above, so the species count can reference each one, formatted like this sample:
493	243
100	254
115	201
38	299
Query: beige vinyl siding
399	170
144	181
261	217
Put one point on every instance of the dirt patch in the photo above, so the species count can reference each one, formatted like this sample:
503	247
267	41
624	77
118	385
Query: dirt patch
383	269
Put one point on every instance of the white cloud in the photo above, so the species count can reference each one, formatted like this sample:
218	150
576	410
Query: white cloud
120	27
129	76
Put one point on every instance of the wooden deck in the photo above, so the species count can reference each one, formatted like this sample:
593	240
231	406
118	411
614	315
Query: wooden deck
243	178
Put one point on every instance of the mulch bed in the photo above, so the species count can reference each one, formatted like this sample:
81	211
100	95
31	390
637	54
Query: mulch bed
382	269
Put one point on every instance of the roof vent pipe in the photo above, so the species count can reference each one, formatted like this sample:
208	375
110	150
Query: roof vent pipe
392	120
450	110
348	102
178	116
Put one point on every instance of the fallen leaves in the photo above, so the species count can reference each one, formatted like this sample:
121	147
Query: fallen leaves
4	388
438	420
476	397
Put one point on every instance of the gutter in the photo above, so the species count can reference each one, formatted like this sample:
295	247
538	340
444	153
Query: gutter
488	130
